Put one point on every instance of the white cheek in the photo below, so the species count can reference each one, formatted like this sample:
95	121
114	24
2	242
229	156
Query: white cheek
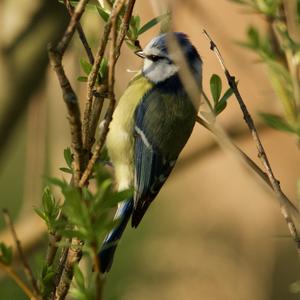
158	71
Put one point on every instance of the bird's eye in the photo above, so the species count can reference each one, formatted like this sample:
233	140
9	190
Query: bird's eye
154	57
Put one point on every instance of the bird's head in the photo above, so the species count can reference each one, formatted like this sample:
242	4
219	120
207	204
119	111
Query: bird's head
159	62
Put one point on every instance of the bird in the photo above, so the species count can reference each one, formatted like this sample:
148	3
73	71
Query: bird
150	126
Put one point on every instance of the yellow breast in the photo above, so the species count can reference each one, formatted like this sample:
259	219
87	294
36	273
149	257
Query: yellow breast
119	140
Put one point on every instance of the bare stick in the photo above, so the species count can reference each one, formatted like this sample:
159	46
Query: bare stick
96	112
94	72
13	275
54	238
72	104
73	256
81	34
27	270
284	204
70	98
124	26
64	42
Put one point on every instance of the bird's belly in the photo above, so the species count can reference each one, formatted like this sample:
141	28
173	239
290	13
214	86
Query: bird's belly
120	150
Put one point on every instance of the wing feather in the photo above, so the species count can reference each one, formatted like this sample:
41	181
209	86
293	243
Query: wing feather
163	124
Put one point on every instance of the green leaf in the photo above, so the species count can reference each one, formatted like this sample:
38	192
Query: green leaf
137	22
50	210
86	66
152	23
55	181
253	37
86	194
6	254
66	170
82	79
79	278
104	14
276	122
215	87
221	105
103	70
76	210
117	197
40	212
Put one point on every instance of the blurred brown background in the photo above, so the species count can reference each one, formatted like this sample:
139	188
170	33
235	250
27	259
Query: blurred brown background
215	231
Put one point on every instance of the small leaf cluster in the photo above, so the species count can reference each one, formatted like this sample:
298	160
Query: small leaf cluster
49	211
87	214
280	52
136	29
219	103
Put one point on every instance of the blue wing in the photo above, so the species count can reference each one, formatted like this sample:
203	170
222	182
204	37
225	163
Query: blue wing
163	124
151	171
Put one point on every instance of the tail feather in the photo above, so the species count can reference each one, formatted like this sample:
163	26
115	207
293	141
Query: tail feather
109	245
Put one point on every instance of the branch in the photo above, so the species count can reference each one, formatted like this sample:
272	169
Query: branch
113	57
95	69
64	42
81	34
124	27
73	256
27	270
284	202
96	112
72	104
70	98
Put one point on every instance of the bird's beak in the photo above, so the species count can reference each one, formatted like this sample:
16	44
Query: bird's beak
140	54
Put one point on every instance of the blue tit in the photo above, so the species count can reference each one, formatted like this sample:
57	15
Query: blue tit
151	124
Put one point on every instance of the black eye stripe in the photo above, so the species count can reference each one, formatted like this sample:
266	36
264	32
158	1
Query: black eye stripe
155	57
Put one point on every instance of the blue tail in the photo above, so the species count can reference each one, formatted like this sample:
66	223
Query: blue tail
110	243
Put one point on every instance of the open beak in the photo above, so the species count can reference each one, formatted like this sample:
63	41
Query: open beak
140	54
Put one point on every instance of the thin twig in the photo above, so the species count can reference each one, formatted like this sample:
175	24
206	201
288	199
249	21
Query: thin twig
284	204
73	256
96	112
263	175
27	270
124	26
81	34
64	42
72	104
55	55
13	275
94	73
53	239
61	264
